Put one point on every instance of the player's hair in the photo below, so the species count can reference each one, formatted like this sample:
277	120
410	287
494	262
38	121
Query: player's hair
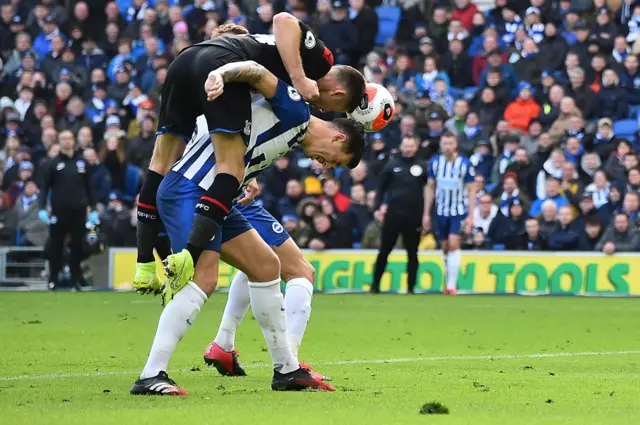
447	134
354	85
229	29
354	144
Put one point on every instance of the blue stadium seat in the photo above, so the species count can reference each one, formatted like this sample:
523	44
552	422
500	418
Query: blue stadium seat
388	18
625	128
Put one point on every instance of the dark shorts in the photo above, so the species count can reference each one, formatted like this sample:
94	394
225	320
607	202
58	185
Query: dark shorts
446	226
184	98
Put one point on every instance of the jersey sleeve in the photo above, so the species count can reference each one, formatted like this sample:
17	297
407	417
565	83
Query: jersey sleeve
288	106
317	59
431	174
470	172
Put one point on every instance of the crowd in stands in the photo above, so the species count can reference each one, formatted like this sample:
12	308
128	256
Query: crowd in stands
543	96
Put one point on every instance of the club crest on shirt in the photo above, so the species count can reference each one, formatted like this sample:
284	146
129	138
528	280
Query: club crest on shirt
81	166
60	166
415	170
293	94
309	40
277	227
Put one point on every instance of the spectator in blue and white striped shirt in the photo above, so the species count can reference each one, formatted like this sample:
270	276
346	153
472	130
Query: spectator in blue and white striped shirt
451	185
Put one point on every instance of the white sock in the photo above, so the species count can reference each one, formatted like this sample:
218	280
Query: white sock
266	303
446	270
453	268
175	320
297	308
237	306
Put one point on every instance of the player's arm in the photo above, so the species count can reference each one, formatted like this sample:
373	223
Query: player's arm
250	72
429	195
471	191
288	35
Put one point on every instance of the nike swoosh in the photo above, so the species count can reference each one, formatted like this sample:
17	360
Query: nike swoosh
189	322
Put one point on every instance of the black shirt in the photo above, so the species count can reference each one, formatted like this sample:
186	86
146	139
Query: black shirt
69	181
402	184
317	59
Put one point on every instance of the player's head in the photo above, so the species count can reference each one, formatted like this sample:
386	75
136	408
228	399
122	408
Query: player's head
448	144
341	90
334	143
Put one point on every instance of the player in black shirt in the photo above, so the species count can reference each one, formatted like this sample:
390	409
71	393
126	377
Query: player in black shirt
293	54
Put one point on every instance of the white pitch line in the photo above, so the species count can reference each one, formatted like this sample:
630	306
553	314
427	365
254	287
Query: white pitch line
345	362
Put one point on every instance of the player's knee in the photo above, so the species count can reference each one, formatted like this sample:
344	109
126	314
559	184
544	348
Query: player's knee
267	267
302	269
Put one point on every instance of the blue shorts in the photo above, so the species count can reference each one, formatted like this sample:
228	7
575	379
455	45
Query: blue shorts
177	199
269	229
446	226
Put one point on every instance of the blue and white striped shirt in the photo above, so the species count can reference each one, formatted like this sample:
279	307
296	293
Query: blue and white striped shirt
452	198
277	125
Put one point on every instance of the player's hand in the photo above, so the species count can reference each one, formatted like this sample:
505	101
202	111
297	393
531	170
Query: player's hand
426	222
307	88
250	192
214	86
469	226
43	215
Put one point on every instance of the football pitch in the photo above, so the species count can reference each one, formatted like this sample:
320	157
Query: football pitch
70	359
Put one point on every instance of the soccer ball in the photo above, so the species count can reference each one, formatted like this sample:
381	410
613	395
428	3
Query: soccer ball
376	108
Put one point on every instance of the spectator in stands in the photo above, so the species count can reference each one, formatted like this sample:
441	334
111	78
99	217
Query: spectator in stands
141	146
582	95
568	111
100	176
115	221
533	239
482	158
22	48
471	134
599	189
630	79
551	168
457	64
604	142
564	236
527	65
488	108
25	173
456	123
506	157
590	234
484	213
611	99
552	193
620	237
358	213
607	211
331	191
288	204
521	111
548	218
340	34
508	227
614	166
550	109
633	180
365	21
32	231
553	47
7	230
325	236
75	117
588	166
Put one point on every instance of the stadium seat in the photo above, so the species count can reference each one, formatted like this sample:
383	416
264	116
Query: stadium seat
625	128
388	18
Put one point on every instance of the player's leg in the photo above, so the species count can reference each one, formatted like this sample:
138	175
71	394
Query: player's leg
441	232
177	119
453	254
390	232
411	232
267	306
176	199
228	118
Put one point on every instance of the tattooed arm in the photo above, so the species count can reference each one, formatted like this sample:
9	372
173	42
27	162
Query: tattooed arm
249	72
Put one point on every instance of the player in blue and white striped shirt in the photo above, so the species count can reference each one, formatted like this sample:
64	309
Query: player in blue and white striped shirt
279	123
451	185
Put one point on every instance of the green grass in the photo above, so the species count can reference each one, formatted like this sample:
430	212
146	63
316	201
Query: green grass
92	345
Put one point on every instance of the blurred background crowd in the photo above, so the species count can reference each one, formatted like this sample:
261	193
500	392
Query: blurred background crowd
543	96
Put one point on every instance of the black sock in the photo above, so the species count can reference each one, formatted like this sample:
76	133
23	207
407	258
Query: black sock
211	211
148	219
163	246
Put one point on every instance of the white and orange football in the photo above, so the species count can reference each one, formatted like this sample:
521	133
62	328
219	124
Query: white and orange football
376	108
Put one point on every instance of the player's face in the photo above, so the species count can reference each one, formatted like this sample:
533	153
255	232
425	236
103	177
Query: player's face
330	154
334	101
448	146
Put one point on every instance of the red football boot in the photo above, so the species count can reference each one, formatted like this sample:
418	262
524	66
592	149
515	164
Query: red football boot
226	362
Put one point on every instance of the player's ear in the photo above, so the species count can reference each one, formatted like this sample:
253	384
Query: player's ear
338	92
340	137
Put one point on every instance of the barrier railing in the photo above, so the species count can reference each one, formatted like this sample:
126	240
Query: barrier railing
23	268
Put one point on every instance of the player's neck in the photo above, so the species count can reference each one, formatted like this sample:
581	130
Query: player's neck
67	152
451	158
